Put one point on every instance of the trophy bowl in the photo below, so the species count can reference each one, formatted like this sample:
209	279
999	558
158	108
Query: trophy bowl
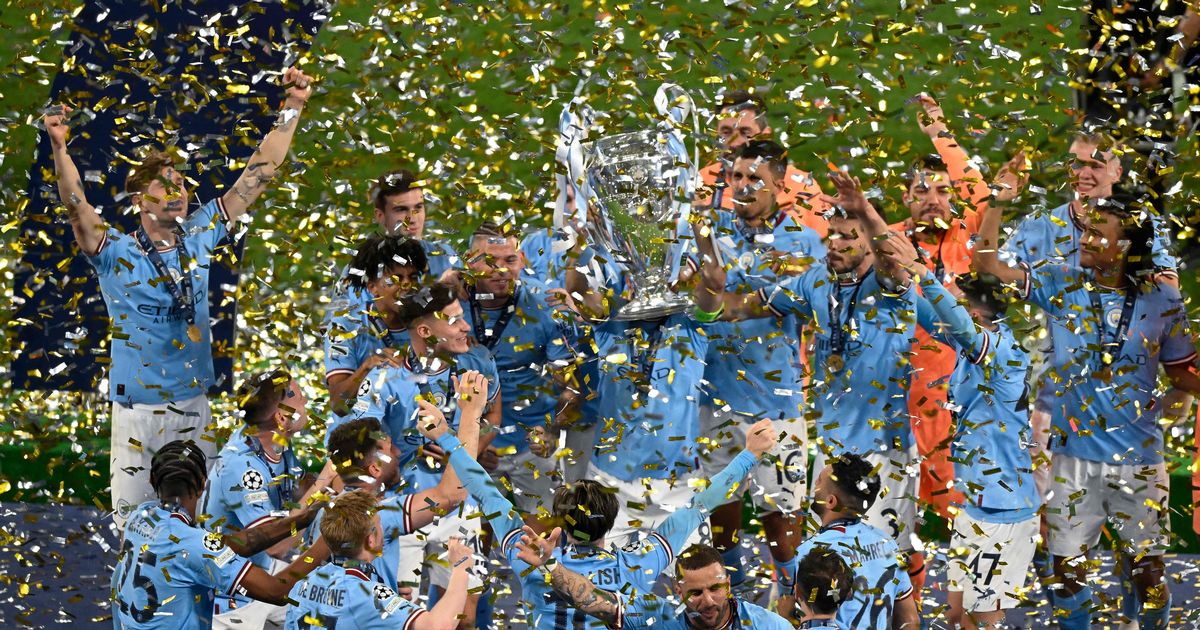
640	188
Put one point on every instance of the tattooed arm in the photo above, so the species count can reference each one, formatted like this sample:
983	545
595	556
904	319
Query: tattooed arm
85	221
575	588
261	168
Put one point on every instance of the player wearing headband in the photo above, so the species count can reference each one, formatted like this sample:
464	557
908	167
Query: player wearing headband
1112	326
155	287
168	570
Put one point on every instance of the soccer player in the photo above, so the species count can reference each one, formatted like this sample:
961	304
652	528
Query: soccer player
440	350
753	366
995	530
168	570
863	314
701	582
944	194
254	482
534	357
823	582
883	595
588	511
155	286
387	268
1112	326
366	459
741	119
348	592
399	201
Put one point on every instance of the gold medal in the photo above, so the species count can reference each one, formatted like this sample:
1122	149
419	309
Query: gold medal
194	333
836	363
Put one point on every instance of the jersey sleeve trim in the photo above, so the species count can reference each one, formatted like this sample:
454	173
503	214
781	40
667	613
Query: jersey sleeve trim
262	520
984	348
1027	286
904	595
766	300
406	507
337	371
507	541
1188	359
411	622
104	240
241	575
666	545
221	210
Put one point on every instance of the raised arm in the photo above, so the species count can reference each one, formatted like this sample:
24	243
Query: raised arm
271	153
496	508
444	614
968	181
987	258
472	392
760	438
588	299
541	554
712	301
85	221
851	198
961	327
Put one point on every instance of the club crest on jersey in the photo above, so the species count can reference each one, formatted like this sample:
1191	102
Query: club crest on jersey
213	542
746	260
1113	317
252	480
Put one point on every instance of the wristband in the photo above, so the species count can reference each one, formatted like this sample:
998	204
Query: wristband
707	317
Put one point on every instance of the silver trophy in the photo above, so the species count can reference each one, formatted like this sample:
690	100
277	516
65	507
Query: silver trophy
639	186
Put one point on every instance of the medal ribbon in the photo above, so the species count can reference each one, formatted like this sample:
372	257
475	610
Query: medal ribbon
1118	341
181	292
837	332
506	313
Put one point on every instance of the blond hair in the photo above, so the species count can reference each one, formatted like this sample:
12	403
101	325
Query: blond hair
346	524
143	173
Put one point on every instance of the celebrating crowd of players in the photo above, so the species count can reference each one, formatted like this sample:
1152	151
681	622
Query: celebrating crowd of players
493	403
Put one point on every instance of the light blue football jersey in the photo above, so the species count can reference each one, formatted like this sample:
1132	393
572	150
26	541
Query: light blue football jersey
153	358
989	398
348	594
395	518
636	566
1108	412
530	340
754	365
879	579
390	393
247	489
859	399
168	571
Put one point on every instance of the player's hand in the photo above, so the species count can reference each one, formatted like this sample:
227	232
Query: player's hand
298	87
388	356
561	301
55	121
471	389
406	592
431	422
849	195
540	443
534	549
899	251
761	437
931	119
1011	178
489	458
786	264
459	554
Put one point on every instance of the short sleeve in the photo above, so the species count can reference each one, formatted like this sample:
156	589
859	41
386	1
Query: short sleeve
1177	345
395	515
1019	244
643	559
341	347
904	587
111	249
244	489
794	295
1045	284
208	561
385	610
208	224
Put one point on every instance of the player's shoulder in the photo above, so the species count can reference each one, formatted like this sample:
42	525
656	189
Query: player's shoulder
756	616
477	357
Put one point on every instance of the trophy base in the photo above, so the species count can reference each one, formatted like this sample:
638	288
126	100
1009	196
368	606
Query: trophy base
653	307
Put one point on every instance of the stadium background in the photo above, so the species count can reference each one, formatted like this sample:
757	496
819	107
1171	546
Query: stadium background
470	94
